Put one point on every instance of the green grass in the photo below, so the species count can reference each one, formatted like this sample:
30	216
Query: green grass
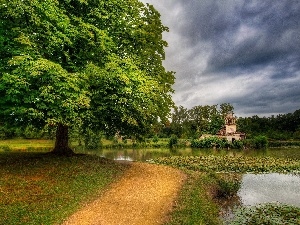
26	145
196	204
38	188
201	197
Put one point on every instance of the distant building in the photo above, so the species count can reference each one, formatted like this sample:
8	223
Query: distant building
229	130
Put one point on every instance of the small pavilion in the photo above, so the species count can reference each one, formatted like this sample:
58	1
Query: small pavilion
229	130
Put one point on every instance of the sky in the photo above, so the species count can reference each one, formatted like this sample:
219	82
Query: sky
243	52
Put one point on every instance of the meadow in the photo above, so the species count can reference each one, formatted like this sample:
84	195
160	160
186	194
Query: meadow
40	188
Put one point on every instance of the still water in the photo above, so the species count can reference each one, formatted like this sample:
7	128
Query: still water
269	188
146	154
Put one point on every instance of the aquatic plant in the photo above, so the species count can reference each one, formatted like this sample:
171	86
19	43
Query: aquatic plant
272	213
240	164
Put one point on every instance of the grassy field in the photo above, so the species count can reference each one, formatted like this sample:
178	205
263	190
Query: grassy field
39	188
41	145
26	144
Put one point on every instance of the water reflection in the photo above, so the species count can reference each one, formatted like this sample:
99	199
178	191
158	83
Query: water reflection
268	188
262	189
146	154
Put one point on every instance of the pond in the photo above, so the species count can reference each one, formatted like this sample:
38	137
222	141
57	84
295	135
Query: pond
269	188
146	154
261	189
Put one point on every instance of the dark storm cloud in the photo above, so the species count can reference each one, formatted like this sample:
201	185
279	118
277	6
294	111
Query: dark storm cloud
246	52
246	33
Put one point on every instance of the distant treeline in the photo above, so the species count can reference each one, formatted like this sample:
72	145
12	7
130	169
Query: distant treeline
192	123
280	127
187	124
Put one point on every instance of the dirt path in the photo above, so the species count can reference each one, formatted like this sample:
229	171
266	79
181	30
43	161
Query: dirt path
144	195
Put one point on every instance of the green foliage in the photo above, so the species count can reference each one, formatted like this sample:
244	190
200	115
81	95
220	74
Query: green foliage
191	123
237	144
260	142
209	142
240	164
6	132
128	94
227	188
283	144
92	140
5	148
296	135
155	139
273	213
31	132
173	141
95	64
280	127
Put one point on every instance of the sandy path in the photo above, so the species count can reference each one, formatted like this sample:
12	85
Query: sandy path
144	195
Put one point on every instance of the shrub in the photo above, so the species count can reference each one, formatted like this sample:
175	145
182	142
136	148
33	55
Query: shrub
155	139
6	133
260	142
31	132
173	140
227	188
237	144
209	142
296	135
283	143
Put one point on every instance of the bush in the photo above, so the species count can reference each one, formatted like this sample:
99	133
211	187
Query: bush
155	139
275	144
237	144
6	133
227	188
173	140
296	135
260	142
209	142
31	132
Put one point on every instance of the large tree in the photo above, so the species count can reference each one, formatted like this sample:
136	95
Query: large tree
89	63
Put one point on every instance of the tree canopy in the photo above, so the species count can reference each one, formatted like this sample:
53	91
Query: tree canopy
92	63
208	119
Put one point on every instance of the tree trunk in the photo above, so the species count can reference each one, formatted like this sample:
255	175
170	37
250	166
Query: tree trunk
62	141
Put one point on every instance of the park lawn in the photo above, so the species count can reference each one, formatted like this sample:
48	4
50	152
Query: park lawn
21	144
40	188
46	145
196	203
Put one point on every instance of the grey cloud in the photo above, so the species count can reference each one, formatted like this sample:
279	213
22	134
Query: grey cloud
277	35
246	52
